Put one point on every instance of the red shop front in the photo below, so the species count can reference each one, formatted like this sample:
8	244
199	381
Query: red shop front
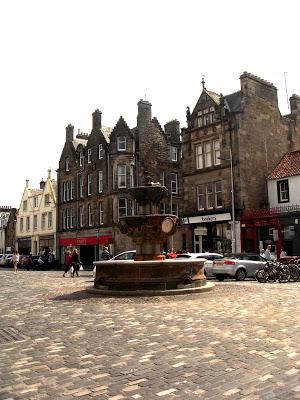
89	246
260	228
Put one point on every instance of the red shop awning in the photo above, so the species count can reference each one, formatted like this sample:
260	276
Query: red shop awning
86	241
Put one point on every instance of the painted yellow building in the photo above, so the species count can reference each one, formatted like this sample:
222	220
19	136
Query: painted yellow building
36	219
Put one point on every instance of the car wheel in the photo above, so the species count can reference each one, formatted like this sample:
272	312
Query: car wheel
220	278
240	275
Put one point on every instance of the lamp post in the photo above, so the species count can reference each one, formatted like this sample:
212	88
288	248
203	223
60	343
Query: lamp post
233	236
171	206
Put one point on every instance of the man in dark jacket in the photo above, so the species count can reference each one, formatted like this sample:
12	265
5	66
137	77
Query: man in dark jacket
105	254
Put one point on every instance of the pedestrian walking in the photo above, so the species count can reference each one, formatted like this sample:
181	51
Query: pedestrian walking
29	261
68	263
15	260
75	262
283	253
105	254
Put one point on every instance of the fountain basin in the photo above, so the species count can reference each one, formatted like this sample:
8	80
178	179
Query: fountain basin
128	275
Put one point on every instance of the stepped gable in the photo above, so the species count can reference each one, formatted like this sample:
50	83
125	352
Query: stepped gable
157	124
289	165
246	74
121	127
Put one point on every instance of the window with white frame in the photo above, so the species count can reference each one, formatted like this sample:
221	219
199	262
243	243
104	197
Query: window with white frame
122	207
47	200
209	195
121	141
89	184
174	153
35	201
25	205
71	218
121	171
216	150
130	207
90	221
162	208
162	178
50	220
71	190
207	154
43	223
218	194
199	156
80	216
81	186
283	191
67	214
100	181
100	151
174	183
21	225
101	213
68	190
27	223
67	164
174	210
81	159
200	197
89	156
131	176
35	222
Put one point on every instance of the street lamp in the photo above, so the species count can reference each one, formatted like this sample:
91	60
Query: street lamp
233	236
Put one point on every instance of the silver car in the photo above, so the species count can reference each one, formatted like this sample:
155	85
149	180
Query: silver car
239	266
210	257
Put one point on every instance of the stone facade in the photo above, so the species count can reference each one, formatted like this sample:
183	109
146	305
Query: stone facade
96	170
240	136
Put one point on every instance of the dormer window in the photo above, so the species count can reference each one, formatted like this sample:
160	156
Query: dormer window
100	151
67	164
121	143
89	156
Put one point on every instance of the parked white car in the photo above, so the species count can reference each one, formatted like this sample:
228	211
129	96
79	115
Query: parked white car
210	257
4	260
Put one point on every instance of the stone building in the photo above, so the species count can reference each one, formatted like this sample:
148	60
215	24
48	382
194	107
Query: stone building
231	145
36	218
7	216
97	169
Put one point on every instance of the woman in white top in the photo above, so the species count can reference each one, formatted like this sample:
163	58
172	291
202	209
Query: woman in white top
15	260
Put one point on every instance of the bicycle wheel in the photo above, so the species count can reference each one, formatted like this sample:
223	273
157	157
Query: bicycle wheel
294	273
284	275
261	276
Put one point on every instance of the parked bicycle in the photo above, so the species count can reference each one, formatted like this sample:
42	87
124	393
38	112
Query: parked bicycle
273	271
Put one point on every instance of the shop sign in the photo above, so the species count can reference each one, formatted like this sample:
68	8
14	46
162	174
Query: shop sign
207	218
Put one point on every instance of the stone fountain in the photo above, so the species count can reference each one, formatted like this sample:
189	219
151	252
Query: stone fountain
149	273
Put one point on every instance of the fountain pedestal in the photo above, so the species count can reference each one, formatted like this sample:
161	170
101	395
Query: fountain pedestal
148	272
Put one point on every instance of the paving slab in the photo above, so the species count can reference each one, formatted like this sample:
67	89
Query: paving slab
237	341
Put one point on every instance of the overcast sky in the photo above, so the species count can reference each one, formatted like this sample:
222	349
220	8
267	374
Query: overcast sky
62	59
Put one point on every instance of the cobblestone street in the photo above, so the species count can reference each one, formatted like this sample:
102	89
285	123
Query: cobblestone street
238	341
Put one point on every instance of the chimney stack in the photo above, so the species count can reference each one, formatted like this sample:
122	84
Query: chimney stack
27	183
144	112
69	133
97	115
49	173
42	184
295	104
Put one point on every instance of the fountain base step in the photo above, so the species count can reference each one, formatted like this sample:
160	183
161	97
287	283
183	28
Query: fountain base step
181	289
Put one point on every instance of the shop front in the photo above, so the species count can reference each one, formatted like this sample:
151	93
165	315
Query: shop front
24	245
209	233
89	247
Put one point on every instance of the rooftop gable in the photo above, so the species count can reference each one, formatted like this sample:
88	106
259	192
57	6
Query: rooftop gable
289	165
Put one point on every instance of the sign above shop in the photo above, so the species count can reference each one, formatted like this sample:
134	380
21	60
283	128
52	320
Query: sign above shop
207	218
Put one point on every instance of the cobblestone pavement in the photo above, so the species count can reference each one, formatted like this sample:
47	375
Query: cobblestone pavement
239	341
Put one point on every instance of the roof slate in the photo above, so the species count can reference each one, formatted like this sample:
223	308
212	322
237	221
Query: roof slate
289	165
